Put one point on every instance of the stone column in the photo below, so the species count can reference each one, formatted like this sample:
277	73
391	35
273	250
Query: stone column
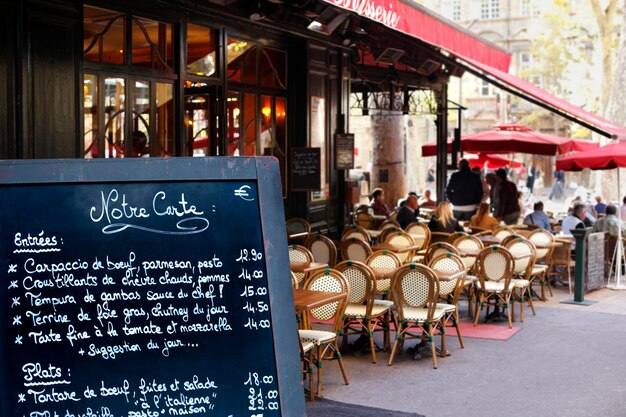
388	137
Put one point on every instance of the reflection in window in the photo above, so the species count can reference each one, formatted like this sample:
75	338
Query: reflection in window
241	58
140	145
165	118
104	35
273	68
201	47
90	119
114	105
233	114
152	44
197	117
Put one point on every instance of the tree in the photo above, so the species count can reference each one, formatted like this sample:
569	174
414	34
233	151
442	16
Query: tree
604	15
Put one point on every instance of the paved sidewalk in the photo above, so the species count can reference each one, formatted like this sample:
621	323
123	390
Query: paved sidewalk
566	361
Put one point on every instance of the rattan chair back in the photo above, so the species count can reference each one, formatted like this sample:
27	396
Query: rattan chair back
357	232
329	280
383	261
323	249
502	232
439	248
438	237
420	234
524	255
361	281
456	235
449	262
355	249
297	225
389	224
364	219
415	286
401	240
494	263
299	255
542	240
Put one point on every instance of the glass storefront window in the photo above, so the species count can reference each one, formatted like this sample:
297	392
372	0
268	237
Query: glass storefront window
273	68
104	36
152	44
201	48
140	145
197	121
250	124
114	117
233	116
241	59
90	115
165	118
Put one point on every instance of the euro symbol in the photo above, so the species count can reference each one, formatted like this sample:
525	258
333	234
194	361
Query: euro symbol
243	193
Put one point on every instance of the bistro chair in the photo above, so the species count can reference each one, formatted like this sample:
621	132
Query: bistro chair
494	271
389	224
438	237
323	249
325	342
357	232
562	262
455	235
450	291
365	220
384	264
420	234
468	243
401	240
524	255
297	225
384	234
307	362
299	255
415	292
355	250
542	240
503	231
363	317
438	248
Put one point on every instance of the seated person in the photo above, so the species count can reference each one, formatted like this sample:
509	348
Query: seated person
426	201
610	223
600	206
538	217
408	212
443	220
574	220
378	205
402	201
483	219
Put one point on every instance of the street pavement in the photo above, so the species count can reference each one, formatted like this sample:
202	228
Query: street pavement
568	360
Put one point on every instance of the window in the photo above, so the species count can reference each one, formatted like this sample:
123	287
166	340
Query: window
485	89
128	90
529	8
201	48
525	60
456	10
489	9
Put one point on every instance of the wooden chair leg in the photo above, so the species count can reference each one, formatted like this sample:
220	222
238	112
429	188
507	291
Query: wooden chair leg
455	323
370	334
513	304
433	348
318	363
395	345
340	360
443	340
530	301
479	308
509	312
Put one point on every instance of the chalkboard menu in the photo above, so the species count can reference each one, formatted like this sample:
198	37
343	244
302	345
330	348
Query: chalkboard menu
146	287
305	169
594	271
344	150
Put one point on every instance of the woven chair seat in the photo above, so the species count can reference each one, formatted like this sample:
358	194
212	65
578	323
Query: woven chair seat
537	269
419	314
448	308
317	337
492	286
470	278
357	311
520	283
386	303
307	346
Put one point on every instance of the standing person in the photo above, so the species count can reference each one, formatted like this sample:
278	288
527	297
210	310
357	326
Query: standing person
378	205
464	191
485	197
490	179
408	212
443	220
508	207
557	187
430	177
538	217
530	178
426	201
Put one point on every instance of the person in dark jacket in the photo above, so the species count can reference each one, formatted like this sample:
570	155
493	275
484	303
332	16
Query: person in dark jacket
464	191
443	220
508	207
407	213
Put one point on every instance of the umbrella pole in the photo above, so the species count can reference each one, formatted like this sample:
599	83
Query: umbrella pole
619	249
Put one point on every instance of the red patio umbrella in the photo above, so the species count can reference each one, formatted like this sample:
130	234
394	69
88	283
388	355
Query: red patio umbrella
492	161
607	157
515	138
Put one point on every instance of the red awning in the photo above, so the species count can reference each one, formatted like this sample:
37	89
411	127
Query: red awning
540	97
606	157
419	22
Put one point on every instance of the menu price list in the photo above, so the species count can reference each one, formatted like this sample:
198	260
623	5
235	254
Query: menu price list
115	331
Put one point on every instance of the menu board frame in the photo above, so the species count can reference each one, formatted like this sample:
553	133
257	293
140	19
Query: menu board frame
344	150
263	171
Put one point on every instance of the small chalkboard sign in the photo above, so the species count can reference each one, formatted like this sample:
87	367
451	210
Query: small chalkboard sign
344	150
594	276
146	287
305	169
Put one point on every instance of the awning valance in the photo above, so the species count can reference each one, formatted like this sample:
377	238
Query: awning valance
524	89
417	21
